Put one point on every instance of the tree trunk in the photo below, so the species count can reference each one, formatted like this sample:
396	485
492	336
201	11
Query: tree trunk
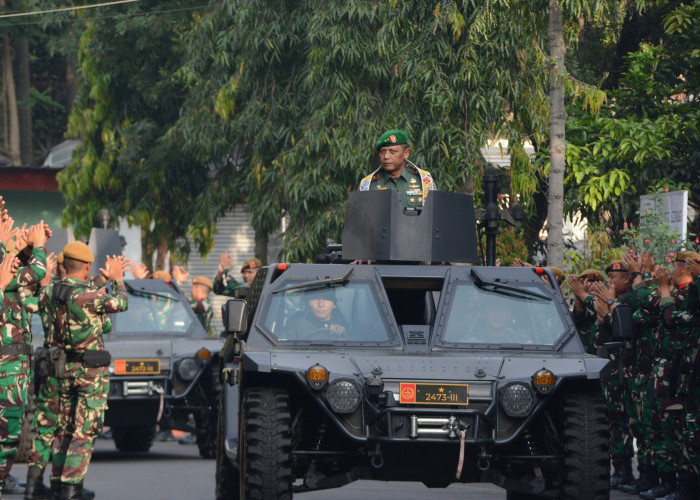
146	248
557	137
162	252
71	81
24	109
11	121
261	243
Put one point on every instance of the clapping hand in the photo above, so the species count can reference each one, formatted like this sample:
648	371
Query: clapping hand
8	270
180	275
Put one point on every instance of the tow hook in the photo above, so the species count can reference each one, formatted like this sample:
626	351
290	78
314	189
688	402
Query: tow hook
377	457
483	462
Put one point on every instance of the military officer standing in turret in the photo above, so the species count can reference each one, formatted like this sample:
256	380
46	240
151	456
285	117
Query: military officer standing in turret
398	173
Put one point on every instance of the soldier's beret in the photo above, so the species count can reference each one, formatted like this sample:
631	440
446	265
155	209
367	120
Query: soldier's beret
392	138
685	255
161	275
251	264
59	259
78	250
558	274
616	265
592	274
202	280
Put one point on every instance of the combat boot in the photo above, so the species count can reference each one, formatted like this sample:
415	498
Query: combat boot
71	491
648	478
623	472
36	489
55	489
687	488
664	488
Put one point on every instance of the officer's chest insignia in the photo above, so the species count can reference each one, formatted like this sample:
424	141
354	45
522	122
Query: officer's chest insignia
413	180
412	200
413	192
380	188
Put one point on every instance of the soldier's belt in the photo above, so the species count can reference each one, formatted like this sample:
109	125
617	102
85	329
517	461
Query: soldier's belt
91	359
15	349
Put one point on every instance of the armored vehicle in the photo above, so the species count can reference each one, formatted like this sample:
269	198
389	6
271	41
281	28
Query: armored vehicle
402	371
163	370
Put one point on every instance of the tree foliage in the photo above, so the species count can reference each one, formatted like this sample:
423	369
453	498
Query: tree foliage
127	162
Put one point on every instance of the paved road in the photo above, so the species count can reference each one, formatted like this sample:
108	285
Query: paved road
172	471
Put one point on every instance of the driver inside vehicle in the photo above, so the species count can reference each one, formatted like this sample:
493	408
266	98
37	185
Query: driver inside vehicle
321	319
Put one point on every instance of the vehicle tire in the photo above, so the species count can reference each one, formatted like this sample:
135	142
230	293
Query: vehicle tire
586	446
134	439
227	476
206	434
265	444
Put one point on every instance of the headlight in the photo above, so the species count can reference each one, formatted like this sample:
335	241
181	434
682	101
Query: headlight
517	399
187	369
343	395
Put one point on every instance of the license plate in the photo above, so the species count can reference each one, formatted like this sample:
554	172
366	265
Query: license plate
434	394
137	367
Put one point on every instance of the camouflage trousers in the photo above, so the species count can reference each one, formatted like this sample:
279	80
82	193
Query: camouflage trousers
620	436
14	389
82	403
637	403
667	418
690	436
45	423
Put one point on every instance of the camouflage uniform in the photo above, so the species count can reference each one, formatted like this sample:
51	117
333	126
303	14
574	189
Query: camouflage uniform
15	368
227	284
585	321
82	392
689	382
646	319
681	319
614	387
202	308
45	422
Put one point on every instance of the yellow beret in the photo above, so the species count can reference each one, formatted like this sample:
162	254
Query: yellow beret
592	274
685	255
59	259
202	280
161	275
558	273
251	264
615	266
78	251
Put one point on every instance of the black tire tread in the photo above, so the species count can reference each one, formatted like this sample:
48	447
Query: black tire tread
134	439
586	460
268	444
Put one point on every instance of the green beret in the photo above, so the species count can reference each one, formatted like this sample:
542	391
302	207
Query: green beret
78	251
251	264
392	138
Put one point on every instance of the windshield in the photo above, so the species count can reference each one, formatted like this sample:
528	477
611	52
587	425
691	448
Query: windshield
152	313
495	316
326	314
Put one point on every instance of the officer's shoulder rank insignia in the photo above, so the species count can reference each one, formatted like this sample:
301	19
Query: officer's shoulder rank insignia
414	171
375	177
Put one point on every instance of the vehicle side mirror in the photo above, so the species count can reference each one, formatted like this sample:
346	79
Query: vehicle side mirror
622	322
235	316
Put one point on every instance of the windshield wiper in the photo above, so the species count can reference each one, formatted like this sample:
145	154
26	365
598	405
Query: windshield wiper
511	291
324	283
144	293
